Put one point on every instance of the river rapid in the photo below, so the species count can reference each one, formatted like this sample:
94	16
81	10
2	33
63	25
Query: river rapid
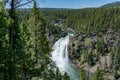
61	59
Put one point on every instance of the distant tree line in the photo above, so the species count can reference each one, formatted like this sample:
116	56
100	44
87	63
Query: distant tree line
86	20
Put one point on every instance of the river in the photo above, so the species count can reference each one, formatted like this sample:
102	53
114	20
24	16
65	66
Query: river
61	59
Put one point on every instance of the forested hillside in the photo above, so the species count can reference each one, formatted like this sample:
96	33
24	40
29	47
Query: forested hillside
24	48
86	20
114	4
95	45
27	37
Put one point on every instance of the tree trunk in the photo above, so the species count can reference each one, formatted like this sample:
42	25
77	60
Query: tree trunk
11	39
5	72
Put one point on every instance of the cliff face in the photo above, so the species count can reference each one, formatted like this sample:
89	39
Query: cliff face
55	33
96	50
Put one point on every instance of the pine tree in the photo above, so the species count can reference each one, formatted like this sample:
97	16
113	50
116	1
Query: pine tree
98	75
83	75
5	22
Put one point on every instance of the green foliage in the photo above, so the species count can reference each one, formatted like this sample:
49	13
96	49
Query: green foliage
5	22
98	75
28	58
117	63
86	20
83	75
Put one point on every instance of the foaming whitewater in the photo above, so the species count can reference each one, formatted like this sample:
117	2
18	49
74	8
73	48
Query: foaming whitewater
60	57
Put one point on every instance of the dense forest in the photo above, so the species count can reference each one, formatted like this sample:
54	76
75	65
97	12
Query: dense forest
95	47
27	37
86	20
24	49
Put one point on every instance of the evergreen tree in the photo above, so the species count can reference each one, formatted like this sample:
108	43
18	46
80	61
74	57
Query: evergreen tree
83	75
98	75
5	22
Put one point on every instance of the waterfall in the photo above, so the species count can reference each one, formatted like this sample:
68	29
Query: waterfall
60	57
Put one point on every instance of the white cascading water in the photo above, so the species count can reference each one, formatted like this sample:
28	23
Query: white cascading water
60	57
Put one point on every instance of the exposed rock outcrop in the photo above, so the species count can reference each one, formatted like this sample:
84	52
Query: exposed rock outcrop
95	50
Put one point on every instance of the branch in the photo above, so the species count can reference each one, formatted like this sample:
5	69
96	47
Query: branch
18	2
24	4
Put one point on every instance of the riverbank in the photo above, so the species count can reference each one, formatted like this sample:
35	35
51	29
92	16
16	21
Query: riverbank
96	50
